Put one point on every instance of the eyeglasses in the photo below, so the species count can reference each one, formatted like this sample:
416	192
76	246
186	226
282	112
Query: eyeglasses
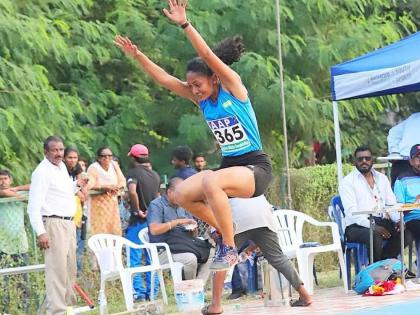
366	158
106	155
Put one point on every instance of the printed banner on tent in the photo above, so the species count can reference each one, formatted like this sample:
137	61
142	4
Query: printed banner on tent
363	83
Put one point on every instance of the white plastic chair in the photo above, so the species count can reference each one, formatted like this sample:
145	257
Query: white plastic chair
175	267
108	251
291	238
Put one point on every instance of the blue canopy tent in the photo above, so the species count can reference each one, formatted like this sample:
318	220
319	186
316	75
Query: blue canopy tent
389	70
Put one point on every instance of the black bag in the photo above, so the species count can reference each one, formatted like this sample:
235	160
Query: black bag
182	242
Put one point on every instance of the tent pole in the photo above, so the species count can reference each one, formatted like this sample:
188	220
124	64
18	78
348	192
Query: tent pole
283	107
337	142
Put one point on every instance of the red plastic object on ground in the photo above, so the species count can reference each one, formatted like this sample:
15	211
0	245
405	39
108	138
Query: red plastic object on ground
84	296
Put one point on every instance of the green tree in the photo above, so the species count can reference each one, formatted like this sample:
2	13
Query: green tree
61	74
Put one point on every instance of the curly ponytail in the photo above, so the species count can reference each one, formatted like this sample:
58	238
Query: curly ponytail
229	50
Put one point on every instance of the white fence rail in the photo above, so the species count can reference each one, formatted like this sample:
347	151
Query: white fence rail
21	270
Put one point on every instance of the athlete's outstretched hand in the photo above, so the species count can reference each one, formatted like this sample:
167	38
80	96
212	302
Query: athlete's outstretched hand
125	44
176	11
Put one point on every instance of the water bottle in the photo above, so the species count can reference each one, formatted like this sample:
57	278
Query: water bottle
273	286
266	282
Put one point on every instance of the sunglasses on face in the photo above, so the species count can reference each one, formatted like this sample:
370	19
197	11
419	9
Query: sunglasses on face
366	158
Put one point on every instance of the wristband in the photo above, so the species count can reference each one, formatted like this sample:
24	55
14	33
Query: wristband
185	25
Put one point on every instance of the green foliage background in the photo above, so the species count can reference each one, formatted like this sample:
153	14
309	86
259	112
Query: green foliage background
61	74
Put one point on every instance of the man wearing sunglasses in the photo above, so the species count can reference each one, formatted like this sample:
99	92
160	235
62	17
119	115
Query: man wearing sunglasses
366	189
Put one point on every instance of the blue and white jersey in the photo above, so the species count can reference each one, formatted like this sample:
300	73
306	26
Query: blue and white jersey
406	189
233	124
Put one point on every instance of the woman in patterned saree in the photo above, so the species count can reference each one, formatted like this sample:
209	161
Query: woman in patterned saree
106	177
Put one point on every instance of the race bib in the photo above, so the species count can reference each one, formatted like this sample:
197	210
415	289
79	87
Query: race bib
229	134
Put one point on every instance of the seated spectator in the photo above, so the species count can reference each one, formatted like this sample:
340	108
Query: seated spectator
255	221
181	157
366	189
13	239
167	221
407	190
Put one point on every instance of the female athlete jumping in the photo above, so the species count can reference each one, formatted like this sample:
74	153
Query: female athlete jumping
212	85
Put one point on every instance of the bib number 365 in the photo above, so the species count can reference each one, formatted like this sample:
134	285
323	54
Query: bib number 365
229	134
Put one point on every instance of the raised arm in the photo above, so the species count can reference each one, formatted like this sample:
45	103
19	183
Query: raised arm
159	75
229	78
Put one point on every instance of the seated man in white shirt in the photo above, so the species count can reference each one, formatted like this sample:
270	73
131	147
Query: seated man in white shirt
366	189
401	138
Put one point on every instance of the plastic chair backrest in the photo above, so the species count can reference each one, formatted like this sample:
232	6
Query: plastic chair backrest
291	227
144	236
108	251
176	267
294	221
284	233
337	212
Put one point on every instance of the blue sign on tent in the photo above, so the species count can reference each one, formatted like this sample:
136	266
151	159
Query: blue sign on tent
388	70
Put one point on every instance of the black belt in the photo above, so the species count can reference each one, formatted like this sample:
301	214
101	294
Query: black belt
58	217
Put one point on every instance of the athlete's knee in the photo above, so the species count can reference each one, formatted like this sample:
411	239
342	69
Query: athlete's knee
181	196
209	183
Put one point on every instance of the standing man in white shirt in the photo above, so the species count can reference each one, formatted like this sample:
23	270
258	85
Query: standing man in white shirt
51	207
366	189
400	140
